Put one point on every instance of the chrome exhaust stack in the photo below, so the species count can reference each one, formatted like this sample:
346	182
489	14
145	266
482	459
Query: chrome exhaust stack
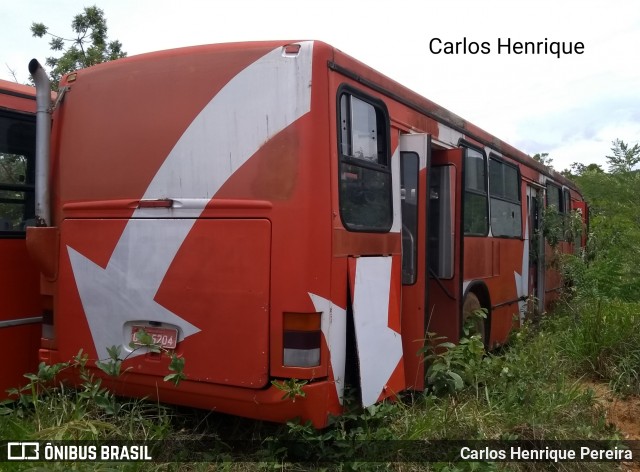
43	140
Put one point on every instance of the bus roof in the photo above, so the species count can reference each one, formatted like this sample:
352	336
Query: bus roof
17	97
367	76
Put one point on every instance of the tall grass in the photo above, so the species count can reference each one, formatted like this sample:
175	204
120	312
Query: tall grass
530	390
601	339
600	318
533	389
49	410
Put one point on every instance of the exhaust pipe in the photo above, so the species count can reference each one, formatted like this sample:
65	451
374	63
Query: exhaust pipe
43	139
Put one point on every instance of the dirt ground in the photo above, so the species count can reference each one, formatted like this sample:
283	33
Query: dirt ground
624	413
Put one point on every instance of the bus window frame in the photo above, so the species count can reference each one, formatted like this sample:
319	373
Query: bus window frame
26	188
414	230
560	206
467	147
503	162
383	168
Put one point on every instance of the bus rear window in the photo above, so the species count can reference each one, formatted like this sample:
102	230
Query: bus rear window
365	174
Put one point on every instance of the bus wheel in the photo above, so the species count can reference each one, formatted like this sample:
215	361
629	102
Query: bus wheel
471	305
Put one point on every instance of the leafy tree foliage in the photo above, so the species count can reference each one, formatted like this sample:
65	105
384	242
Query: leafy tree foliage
577	169
90	45
614	240
544	159
624	158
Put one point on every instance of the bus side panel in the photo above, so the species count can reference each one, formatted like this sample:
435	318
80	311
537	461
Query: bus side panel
20	303
19	349
503	270
20	308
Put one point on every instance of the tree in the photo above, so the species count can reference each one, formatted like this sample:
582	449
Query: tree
624	159
89	47
544	159
614	223
578	169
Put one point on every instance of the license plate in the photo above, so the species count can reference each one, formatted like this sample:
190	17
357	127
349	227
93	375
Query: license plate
166	338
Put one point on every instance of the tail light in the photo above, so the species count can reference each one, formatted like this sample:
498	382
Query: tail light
301	339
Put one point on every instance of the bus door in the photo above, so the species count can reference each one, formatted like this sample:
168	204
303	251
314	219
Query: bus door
536	248
444	243
414	150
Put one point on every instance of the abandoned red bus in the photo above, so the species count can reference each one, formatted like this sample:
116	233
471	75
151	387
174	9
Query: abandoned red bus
20	309
273	211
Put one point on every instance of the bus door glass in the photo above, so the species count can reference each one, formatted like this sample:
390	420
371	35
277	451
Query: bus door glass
444	245
536	243
414	150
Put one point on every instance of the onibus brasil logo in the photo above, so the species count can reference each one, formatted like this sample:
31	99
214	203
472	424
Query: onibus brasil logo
49	451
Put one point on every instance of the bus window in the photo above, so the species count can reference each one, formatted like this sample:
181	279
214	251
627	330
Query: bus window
17	173
561	200
566	201
554	197
365	173
504	188
475	194
409	168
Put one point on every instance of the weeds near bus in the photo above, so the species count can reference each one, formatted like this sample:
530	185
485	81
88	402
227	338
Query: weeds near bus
601	339
113	364
358	434
292	388
89	410
451	366
528	391
558	227
59	412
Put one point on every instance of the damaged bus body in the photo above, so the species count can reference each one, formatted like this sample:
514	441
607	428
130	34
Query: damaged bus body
273	211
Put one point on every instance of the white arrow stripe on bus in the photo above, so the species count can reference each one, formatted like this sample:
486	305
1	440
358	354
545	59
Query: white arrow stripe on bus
334	328
379	347
254	106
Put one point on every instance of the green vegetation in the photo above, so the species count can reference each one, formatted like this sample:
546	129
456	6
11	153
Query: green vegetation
88	47
613	252
539	387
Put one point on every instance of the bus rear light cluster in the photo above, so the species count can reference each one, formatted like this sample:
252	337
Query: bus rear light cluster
301	339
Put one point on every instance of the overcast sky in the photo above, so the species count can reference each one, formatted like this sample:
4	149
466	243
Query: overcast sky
571	107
